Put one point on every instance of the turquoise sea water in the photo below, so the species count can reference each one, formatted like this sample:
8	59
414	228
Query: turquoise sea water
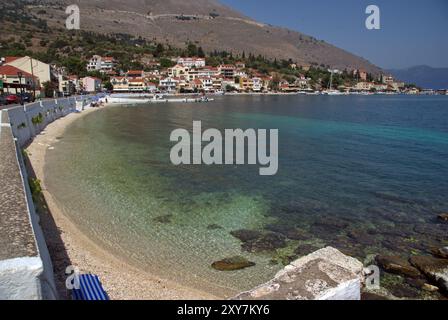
364	174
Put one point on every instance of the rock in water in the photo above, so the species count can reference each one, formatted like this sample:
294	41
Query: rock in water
372	296
246	235
441	252
267	242
257	241
326	274
435	269
443	217
164	219
232	264
397	265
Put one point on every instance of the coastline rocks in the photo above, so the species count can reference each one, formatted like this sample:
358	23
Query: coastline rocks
246	235
326	274
267	242
402	291
397	265
430	288
305	249
257	241
415	283
289	232
232	264
434	231
372	296
362	237
434	269
441	252
443	217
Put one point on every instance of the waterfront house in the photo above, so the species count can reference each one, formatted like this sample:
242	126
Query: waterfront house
135	74
136	84
197	85
91	84
217	83
168	84
207	83
227	71
120	84
246	84
208	72
257	84
178	71
15	80
364	86
39	69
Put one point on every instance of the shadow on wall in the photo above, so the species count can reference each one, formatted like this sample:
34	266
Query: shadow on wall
52	235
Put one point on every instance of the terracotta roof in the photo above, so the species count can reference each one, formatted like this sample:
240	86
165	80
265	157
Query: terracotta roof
11	59
13	71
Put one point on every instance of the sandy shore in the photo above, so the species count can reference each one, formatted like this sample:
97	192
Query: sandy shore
68	245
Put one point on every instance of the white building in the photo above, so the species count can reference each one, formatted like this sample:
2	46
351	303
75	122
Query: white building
102	64
191	62
168	84
257	84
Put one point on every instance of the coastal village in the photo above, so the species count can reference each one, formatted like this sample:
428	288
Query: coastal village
185	75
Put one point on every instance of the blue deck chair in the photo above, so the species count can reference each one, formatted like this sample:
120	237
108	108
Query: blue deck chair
90	289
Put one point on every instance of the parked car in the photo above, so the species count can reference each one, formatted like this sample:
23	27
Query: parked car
3	99
12	99
26	97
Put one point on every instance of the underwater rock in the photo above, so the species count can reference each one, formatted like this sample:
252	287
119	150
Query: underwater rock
434	269
441	252
430	288
267	242
232	264
214	227
403	291
349	249
372	296
246	235
362	237
397	265
417	283
305	249
404	230
433	231
289	232
163	219
257	241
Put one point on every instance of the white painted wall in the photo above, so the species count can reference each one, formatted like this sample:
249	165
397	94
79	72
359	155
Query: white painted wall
31	278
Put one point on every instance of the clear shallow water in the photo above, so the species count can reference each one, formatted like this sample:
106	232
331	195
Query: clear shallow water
365	174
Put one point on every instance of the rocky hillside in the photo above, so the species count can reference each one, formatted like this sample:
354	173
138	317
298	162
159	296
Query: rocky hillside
206	22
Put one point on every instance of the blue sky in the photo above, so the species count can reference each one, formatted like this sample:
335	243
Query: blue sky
413	32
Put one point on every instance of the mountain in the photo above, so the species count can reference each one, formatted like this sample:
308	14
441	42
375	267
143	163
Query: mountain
423	76
205	22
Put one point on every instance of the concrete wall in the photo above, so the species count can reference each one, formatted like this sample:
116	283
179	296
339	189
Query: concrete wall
26	270
21	117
